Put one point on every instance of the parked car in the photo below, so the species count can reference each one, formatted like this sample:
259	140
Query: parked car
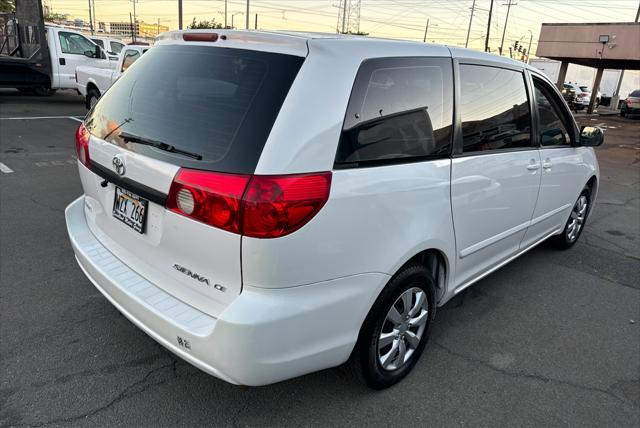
631	105
261	236
92	82
583	95
569	95
54	62
111	45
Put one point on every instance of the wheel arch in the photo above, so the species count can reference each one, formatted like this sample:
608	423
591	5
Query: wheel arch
92	85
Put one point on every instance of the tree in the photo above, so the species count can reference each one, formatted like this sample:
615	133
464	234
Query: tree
204	24
7	6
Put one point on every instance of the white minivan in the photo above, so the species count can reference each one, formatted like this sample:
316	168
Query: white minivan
266	205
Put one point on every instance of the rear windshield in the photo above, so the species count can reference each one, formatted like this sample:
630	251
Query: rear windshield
218	104
585	89
635	93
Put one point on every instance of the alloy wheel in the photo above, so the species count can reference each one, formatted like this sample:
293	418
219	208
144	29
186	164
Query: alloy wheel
577	218
403	328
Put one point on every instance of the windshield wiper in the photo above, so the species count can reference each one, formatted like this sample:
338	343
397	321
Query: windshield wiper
131	138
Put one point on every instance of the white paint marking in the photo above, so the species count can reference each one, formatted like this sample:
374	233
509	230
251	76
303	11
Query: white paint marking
40	117
76	119
5	168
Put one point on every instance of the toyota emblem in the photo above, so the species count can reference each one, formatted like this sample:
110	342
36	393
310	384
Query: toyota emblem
118	165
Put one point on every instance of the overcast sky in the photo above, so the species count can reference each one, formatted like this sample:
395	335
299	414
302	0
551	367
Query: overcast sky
404	19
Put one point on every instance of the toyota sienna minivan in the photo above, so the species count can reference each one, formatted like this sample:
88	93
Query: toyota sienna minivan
265	205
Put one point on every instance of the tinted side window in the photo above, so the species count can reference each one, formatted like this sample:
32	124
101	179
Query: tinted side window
553	131
494	109
98	42
400	108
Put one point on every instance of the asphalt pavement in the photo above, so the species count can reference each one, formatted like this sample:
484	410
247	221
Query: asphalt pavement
552	339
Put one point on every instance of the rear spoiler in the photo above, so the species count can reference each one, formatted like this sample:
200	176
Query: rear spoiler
239	39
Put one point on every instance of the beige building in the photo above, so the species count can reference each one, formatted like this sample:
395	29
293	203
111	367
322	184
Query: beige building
142	29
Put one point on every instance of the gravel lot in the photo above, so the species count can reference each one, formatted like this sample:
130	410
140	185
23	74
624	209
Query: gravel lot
551	339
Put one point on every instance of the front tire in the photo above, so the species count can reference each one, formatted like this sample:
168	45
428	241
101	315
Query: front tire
396	329
575	224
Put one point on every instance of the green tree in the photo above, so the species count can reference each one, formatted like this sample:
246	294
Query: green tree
204	24
7	6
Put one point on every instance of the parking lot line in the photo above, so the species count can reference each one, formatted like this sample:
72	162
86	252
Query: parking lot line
41	117
5	168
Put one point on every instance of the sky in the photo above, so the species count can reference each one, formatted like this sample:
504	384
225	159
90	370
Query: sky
400	19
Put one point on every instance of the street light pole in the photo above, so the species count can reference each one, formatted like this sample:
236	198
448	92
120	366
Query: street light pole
225	14
179	14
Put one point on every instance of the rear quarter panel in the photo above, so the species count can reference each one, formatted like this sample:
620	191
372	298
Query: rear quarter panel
375	220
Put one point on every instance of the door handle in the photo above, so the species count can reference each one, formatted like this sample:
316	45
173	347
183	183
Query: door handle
547	164
533	166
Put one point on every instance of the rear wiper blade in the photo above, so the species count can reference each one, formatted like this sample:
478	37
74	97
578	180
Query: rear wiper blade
131	138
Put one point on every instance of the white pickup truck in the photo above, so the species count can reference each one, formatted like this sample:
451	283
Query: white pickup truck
92	82
47	59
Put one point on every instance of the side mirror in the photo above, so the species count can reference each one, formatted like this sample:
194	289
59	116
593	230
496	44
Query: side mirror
591	136
89	54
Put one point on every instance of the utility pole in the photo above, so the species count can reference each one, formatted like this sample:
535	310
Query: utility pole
255	27
506	20
135	20
247	17
179	14
133	34
95	21
529	49
225	14
486	39
424	39
90	18
473	8
344	16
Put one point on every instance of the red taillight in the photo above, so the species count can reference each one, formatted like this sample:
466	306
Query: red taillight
82	145
275	206
255	206
209	197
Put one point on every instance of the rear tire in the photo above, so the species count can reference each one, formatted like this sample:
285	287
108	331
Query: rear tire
43	91
396	329
92	98
575	224
623	112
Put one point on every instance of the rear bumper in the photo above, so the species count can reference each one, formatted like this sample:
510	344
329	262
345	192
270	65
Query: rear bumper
263	336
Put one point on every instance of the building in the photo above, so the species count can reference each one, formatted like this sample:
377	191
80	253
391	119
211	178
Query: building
151	30
142	29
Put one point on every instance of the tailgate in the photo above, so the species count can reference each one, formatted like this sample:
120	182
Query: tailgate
187	107
194	262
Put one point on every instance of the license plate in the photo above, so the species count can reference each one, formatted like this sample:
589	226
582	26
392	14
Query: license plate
130	209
